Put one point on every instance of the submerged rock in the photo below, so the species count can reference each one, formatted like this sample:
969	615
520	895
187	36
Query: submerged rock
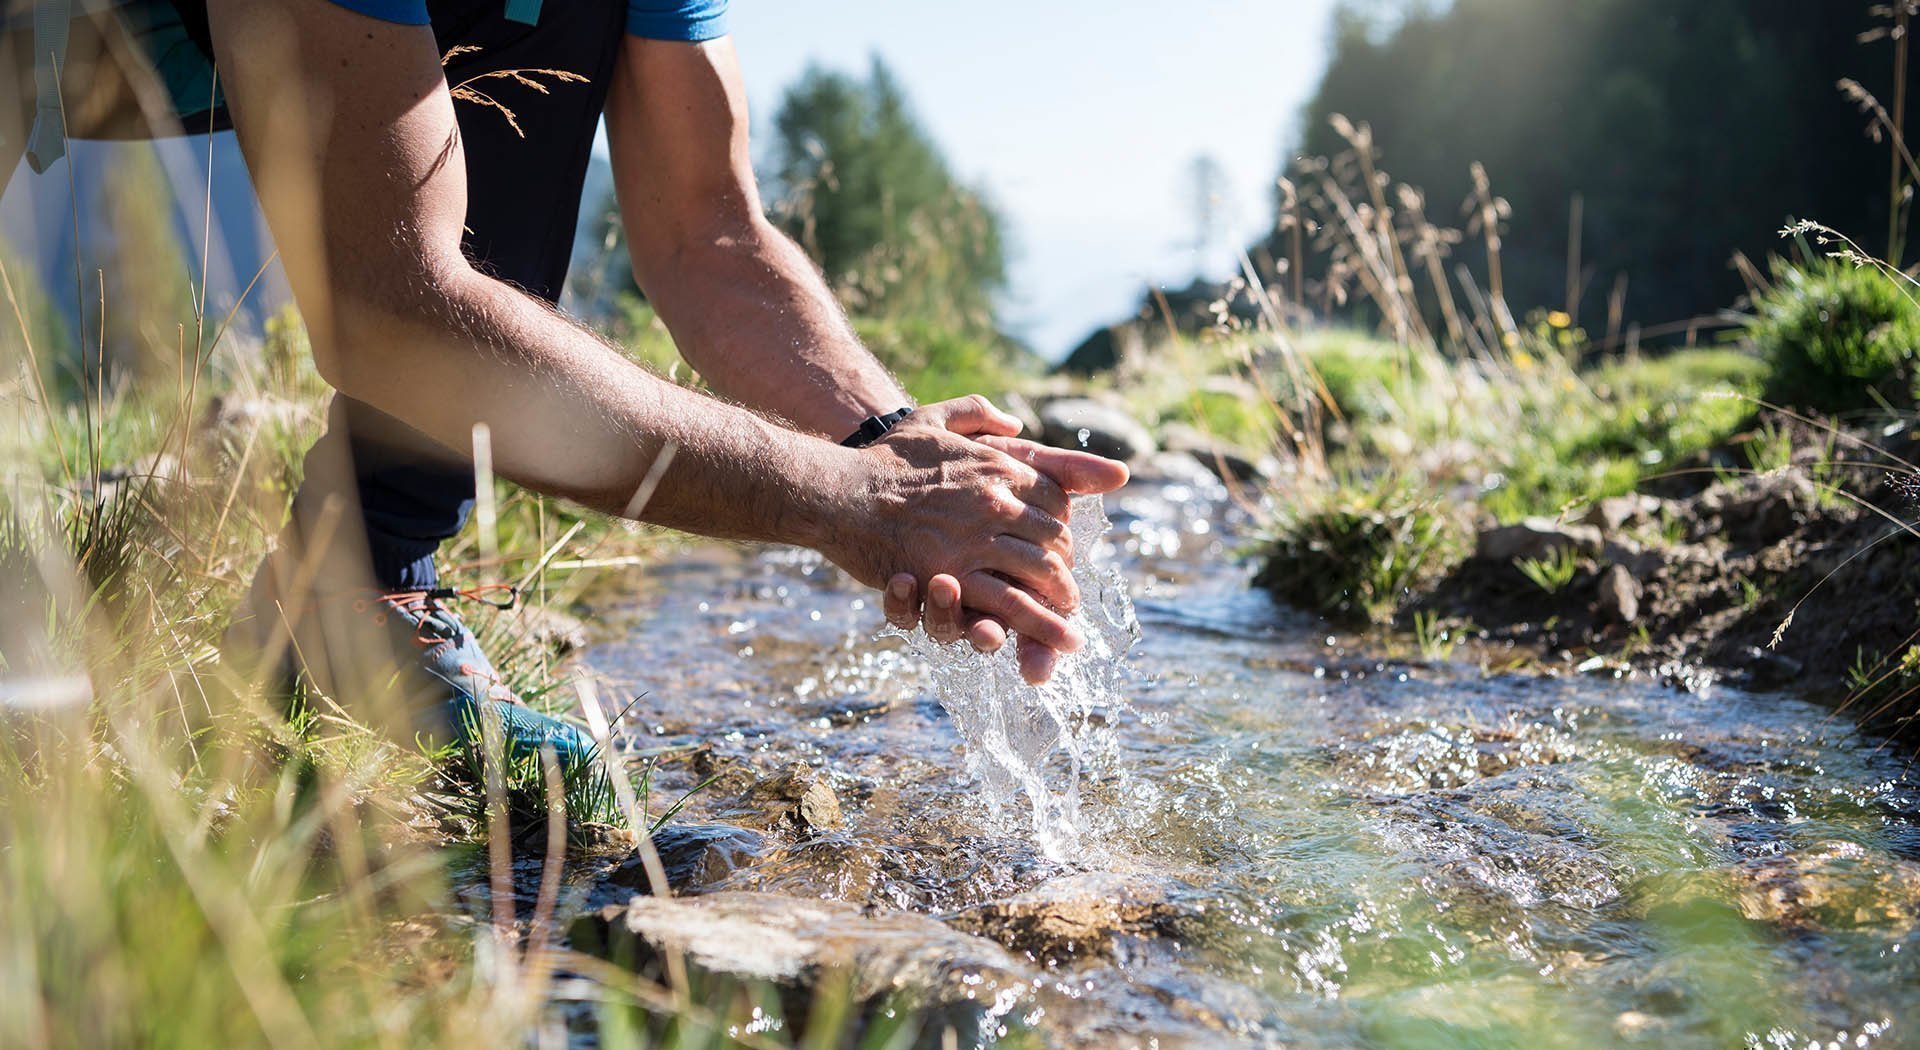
1077	917
1109	431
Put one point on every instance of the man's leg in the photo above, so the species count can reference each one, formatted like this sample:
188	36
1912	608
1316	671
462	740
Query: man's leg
379	497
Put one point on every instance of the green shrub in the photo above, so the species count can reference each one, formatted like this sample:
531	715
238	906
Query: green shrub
1357	554
1840	337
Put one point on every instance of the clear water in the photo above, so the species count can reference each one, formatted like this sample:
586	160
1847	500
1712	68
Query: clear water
1034	744
1371	853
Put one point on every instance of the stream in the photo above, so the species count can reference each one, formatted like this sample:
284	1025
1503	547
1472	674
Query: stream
1346	850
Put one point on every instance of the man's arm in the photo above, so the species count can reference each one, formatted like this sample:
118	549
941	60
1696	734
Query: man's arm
746	306
348	130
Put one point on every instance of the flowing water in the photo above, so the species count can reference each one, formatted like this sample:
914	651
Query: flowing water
1362	852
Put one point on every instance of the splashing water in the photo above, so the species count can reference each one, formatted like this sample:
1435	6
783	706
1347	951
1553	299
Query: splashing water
1037	741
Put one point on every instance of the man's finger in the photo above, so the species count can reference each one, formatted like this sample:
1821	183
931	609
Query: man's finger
901	601
1043	530
1021	612
1041	571
943	609
1082	473
1039	490
1036	661
972	416
986	633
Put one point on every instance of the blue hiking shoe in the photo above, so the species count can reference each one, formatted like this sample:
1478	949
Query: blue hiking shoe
453	669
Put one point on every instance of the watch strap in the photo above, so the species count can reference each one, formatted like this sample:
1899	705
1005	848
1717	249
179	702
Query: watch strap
873	428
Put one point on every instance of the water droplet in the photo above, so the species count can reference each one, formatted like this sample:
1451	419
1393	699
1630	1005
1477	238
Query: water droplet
1085	436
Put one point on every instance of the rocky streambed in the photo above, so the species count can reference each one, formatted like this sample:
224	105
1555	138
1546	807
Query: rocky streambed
1277	839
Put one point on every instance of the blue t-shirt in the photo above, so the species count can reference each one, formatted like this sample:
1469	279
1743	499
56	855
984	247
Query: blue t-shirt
690	20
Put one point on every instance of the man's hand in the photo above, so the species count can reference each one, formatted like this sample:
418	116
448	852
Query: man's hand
949	616
928	501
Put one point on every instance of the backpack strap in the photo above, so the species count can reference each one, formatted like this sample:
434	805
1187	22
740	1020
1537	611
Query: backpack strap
47	142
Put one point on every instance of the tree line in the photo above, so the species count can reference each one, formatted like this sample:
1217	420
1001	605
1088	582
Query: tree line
1678	133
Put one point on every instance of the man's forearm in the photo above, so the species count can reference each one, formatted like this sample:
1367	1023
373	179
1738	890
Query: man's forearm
571	416
749	311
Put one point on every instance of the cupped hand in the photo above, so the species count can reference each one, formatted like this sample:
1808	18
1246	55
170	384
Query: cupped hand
935	498
949	616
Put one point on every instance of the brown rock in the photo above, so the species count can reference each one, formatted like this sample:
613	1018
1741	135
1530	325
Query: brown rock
1535	538
1081	916
795	944
1619	600
796	798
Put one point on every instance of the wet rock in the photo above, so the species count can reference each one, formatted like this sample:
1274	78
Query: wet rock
796	799
595	836
1109	431
1535	538
1619	600
1177	468
795	944
1832	886
1077	917
1767	667
692	856
1223	459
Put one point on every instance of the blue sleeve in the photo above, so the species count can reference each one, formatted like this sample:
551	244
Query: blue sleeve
690	20
399	12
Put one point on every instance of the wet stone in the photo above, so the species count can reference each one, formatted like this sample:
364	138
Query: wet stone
1107	431
796	799
796	944
692	855
1079	916
1217	456
553	630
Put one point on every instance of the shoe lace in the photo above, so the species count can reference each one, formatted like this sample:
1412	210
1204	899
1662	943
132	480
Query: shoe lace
422	603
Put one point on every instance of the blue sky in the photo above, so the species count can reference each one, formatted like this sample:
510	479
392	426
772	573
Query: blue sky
1081	118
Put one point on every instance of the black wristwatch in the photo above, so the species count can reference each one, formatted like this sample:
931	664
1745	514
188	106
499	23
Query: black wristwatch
873	428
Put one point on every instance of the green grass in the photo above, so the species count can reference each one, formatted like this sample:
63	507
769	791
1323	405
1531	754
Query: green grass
937	364
1841	337
1360	549
190	860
